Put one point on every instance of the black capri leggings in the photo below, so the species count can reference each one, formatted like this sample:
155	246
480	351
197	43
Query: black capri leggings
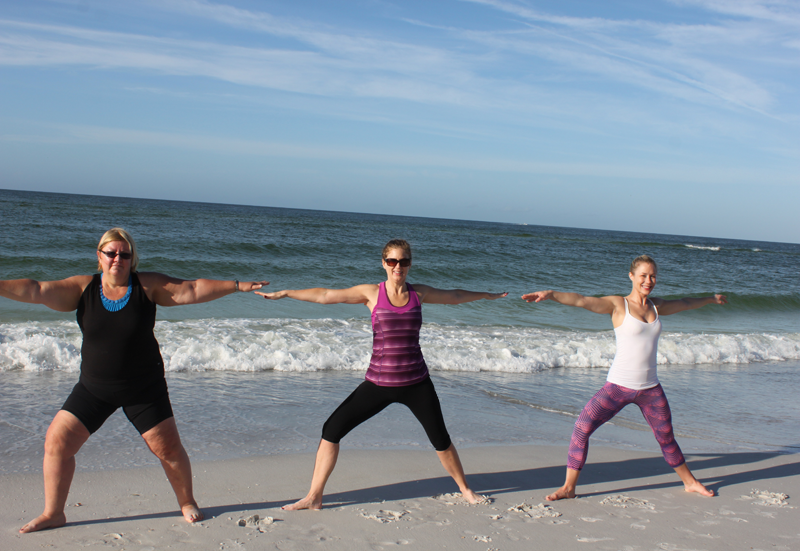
369	399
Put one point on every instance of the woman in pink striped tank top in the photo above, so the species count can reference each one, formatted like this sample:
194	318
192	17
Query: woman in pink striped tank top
397	371
632	378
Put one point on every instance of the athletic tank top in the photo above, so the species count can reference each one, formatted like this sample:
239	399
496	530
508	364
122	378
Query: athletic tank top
119	355
396	356
634	364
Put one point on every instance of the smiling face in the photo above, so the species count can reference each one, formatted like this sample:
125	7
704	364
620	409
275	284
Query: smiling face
644	278
117	266
396	273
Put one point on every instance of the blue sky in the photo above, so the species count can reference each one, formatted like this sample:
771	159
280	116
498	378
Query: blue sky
678	116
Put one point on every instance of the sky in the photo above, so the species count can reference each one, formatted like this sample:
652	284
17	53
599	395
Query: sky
665	116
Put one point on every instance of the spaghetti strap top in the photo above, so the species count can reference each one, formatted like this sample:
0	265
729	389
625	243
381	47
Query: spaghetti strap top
635	363
396	356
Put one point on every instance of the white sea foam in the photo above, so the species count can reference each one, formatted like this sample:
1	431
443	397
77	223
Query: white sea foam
702	247
291	345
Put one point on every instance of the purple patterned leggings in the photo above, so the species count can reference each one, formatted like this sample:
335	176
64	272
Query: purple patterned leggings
609	401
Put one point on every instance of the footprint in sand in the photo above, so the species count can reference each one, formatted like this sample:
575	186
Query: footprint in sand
627	501
456	498
254	521
384	517
535	511
768	499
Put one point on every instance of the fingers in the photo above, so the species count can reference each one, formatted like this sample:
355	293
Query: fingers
252	285
271	296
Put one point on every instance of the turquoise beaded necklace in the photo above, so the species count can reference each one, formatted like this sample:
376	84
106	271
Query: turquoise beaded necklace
119	304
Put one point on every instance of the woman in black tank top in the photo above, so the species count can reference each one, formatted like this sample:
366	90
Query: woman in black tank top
121	364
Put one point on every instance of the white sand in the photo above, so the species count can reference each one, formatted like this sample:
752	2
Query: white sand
384	499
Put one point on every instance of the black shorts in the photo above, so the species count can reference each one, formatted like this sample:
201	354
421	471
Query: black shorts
369	399
93	412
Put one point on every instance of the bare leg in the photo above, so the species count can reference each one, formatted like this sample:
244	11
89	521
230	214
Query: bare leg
690	483
165	442
65	436
452	464
567	491
327	454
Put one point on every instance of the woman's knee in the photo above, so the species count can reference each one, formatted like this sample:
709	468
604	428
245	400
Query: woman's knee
164	441
65	436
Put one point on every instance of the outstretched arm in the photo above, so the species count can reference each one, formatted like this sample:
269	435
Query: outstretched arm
62	295
360	294
667	307
171	291
432	295
601	305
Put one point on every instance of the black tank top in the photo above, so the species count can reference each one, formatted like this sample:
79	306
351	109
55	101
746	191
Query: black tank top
119	357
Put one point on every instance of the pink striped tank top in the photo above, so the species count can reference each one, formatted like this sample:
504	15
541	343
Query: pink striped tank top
396	356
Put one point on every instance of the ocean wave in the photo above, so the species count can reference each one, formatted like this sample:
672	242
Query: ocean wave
291	345
701	247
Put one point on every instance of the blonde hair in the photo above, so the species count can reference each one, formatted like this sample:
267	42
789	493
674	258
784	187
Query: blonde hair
118	234
397	244
642	259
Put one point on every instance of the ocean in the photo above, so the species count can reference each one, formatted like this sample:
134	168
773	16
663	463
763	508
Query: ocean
253	377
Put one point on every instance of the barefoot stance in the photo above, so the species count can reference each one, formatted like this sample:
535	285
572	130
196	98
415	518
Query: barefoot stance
474	498
192	513
404	380
561	493
632	378
697	487
43	522
305	503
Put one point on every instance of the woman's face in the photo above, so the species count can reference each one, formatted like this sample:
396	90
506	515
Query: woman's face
116	266
397	272
644	278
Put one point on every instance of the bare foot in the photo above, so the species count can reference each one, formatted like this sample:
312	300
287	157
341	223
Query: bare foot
305	503
43	522
474	498
192	513
698	488
561	493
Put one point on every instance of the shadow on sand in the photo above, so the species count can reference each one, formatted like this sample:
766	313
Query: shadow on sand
735	470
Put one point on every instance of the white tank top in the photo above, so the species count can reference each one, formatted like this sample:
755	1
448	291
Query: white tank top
634	364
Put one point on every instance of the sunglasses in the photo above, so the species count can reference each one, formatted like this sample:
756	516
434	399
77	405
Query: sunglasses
113	254
392	262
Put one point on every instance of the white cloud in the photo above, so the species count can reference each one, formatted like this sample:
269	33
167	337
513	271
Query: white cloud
484	68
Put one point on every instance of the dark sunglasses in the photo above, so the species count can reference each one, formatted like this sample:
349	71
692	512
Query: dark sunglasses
392	262
113	254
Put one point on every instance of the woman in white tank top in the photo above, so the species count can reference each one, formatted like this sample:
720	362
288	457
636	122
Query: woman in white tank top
632	377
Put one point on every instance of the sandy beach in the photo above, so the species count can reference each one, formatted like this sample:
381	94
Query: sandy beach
385	499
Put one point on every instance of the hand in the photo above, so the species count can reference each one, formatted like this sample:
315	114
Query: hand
538	296
247	286
720	299
273	296
493	296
